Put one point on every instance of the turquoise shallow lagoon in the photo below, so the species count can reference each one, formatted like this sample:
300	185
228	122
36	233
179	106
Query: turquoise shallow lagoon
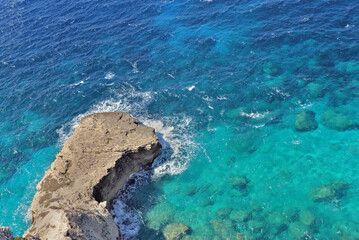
255	102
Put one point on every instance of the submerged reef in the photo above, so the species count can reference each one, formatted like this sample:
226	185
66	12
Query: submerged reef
305	121
337	121
74	197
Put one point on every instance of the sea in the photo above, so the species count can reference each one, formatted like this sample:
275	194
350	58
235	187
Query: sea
255	102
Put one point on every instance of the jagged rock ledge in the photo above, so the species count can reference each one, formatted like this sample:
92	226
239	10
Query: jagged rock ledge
74	196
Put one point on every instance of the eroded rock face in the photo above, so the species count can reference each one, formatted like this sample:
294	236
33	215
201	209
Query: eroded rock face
73	198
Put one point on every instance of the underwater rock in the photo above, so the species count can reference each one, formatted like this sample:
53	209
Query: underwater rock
245	142
337	98
321	193
74	197
256	226
238	182
206	202
340	186
174	231
223	213
193	237
191	190
327	192
346	230
271	69
349	66
202	231
255	206
285	174
233	113
337	121
243	236
291	214
298	230
315	90
6	234
305	121
160	215
277	222
230	161
307	217
239	216
224	228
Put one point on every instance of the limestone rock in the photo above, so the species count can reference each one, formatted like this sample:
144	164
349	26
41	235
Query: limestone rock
174	231
73	198
277	222
224	228
256	226
246	142
191	190
239	216
315	90
206	202
321	193
298	230
337	121
6	234
306	217
223	213
305	121
161	214
238	182
242	236
327	192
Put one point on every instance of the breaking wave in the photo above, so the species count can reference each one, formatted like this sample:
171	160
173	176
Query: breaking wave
174	133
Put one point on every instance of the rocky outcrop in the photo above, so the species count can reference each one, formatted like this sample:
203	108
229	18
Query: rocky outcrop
73	198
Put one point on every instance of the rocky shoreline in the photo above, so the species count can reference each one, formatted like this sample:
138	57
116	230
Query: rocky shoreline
74	197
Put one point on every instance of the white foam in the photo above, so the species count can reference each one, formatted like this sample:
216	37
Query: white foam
191	88
134	66
174	133
305	19
78	83
109	76
254	114
126	218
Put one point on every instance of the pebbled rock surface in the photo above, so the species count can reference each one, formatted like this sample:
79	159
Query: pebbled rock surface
73	198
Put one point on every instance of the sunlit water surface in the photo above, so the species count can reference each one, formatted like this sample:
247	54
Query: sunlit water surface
221	81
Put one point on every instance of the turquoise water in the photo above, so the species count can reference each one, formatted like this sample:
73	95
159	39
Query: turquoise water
221	81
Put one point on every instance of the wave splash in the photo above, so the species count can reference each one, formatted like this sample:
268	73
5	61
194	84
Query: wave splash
174	133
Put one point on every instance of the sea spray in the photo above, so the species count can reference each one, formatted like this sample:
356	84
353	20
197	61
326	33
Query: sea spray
178	147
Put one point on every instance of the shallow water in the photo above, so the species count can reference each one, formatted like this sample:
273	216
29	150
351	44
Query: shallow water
220	81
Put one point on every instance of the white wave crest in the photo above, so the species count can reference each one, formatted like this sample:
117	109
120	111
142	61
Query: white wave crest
109	76
254	114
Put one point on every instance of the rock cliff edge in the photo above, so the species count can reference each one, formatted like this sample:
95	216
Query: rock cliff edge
73	198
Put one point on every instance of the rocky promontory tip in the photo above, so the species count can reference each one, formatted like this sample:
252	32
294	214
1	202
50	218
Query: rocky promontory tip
73	198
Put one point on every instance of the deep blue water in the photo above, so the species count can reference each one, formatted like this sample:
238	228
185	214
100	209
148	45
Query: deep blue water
221	81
